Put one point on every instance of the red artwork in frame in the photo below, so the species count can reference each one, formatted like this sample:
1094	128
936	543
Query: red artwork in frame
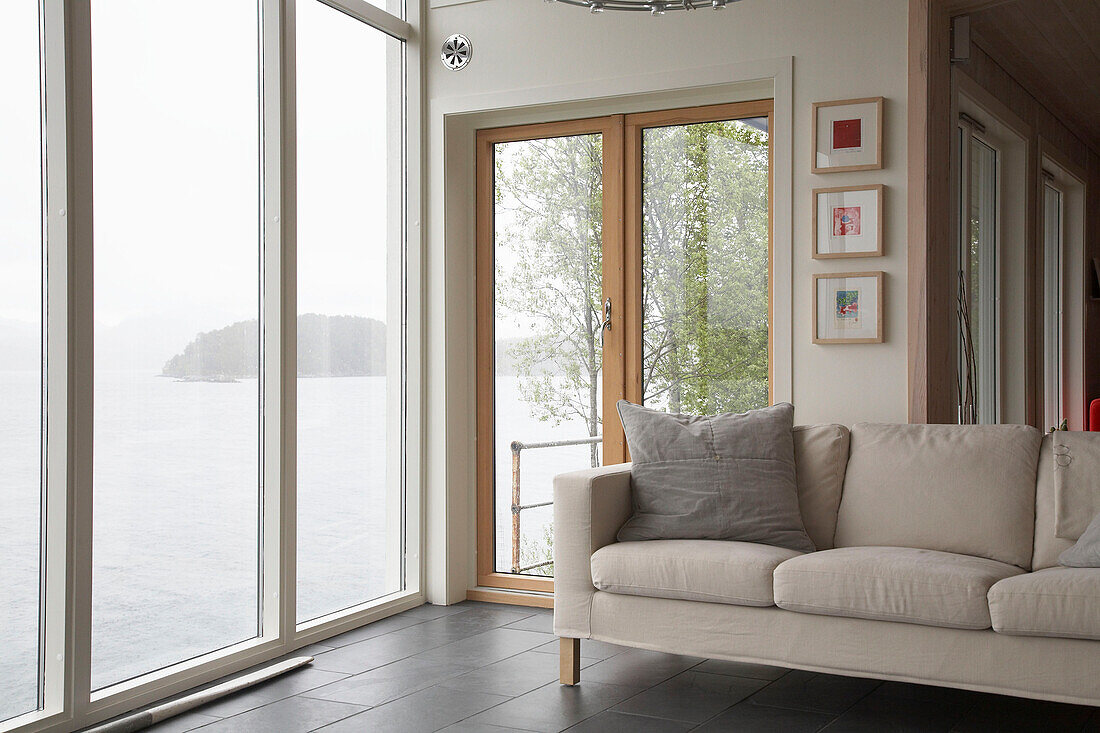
848	135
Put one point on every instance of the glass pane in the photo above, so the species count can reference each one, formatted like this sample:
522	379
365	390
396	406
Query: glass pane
350	166
705	260
177	306
548	219
20	355
979	316
1052	308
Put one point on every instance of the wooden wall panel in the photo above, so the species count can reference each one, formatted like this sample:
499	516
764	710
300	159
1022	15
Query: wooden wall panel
931	313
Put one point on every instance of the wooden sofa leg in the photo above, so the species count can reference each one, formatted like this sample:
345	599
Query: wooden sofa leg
570	660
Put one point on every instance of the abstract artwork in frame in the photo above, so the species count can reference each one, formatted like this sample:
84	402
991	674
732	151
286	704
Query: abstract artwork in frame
847	308
847	222
847	135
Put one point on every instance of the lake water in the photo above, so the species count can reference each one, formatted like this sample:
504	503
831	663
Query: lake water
175	567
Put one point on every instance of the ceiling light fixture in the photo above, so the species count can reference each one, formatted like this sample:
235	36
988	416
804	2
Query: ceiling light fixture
654	7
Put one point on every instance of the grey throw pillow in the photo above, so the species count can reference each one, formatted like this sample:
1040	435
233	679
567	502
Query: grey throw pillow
714	477
1086	553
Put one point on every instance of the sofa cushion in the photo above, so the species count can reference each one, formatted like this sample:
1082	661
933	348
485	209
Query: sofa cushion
891	584
1048	546
966	489
1076	482
1053	602
739	573
820	456
713	477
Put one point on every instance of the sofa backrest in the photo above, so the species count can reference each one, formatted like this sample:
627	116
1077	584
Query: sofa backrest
967	489
1067	494
820	455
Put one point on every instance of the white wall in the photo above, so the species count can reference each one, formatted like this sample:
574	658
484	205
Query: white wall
527	51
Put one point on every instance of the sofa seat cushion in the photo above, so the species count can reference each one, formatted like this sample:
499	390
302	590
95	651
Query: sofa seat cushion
892	584
717	571
1053	602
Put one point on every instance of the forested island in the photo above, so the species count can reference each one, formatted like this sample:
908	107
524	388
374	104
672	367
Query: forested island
328	346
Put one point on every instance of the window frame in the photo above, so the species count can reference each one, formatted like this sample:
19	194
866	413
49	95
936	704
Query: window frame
988	349
622	283
1059	171
67	701
1053	337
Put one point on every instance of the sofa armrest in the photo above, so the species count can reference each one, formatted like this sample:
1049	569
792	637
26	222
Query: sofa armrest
589	508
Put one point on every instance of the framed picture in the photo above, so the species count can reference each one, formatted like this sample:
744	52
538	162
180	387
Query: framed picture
847	135
848	308
848	222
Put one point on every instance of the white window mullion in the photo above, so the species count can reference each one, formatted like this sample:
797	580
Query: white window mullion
411	302
280	327
77	312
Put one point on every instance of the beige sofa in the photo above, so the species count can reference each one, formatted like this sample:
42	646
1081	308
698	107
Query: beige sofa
936	563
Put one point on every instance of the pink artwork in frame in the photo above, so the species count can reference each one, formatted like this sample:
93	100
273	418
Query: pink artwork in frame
847	221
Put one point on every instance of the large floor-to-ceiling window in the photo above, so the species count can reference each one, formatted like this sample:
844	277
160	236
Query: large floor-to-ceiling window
203	330
350	203
177	312
626	256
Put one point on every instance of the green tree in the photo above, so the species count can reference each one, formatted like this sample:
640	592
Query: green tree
705	267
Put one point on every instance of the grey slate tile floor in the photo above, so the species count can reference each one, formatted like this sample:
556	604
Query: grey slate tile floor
484	668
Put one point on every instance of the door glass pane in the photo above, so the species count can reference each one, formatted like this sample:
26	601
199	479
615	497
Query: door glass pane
177	306
350	204
705	262
978	308
1052	308
21	393
548	352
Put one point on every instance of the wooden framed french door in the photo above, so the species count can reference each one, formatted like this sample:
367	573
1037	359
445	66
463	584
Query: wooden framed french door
618	257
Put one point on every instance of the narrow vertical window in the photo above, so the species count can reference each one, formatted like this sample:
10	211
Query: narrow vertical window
1052	305
349	244
977	306
21	361
177	332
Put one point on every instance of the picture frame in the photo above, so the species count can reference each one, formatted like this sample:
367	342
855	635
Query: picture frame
848	308
847	222
847	135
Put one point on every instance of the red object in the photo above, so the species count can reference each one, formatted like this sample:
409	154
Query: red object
847	134
1094	416
847	221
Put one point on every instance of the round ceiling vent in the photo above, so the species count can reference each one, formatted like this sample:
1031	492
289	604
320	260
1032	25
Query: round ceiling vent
457	51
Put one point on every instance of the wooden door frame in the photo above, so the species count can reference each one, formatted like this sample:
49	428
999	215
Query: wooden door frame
610	127
622	284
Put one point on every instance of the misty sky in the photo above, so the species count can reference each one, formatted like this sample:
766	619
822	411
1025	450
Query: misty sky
20	177
177	179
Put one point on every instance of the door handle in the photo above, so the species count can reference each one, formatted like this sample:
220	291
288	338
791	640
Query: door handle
605	324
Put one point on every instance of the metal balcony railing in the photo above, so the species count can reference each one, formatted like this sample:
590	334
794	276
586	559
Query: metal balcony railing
518	506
